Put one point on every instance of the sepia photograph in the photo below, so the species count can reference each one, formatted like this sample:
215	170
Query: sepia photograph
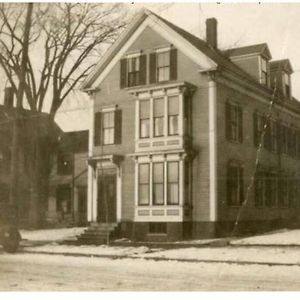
149	147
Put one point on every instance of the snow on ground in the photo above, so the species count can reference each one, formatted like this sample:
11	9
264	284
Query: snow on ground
283	237
89	249
232	254
51	234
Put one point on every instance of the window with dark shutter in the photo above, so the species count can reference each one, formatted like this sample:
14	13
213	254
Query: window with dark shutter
118	126
97	128
234	122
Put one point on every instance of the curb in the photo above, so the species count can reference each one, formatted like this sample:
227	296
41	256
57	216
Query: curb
114	257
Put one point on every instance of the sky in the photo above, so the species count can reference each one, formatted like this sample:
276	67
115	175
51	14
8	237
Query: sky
239	24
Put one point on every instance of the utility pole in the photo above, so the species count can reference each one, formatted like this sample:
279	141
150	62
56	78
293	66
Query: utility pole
14	182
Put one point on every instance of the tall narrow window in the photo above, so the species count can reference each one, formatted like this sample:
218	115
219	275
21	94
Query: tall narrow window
133	71
108	127
159	112
235	186
173	183
144	119
173	115
287	89
163	66
234	122
264	71
158	183
144	184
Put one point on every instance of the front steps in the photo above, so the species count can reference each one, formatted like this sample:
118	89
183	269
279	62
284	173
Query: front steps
97	234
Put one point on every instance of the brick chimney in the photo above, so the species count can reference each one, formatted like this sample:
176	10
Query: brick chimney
8	97
211	32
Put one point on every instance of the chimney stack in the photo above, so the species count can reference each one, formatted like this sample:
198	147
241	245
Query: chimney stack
211	32
8	97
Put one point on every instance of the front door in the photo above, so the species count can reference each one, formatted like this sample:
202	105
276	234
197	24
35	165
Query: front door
107	202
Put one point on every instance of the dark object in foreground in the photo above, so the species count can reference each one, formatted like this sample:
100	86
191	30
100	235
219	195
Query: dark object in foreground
9	234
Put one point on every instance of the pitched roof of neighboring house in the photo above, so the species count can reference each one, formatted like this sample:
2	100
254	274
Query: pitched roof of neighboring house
74	141
260	49
281	65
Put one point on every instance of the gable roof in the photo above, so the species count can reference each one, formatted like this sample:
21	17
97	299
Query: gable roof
281	65
260	49
214	55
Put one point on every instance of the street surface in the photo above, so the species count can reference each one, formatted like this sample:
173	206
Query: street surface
41	272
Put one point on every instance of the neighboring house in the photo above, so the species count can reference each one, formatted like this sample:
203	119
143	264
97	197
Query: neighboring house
175	129
28	120
67	199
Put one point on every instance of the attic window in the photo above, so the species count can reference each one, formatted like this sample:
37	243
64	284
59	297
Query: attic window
264	71
286	83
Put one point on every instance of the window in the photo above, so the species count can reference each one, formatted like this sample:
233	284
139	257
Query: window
158	183
133	70
259	123
260	188
64	163
144	184
63	199
173	183
173	115
108	127
286	82
234	122
159	112
163	66
235	185
144	119
271	189
264	71
133	65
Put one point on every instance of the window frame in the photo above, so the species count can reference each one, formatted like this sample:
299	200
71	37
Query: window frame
160	117
154	183
163	67
172	183
173	115
144	119
143	184
110	128
136	70
234	126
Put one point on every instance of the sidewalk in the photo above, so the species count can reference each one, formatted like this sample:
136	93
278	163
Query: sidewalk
277	248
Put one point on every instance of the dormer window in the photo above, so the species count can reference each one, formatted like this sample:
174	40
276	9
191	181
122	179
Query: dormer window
264	71
286	85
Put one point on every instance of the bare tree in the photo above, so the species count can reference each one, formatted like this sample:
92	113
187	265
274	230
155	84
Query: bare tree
65	42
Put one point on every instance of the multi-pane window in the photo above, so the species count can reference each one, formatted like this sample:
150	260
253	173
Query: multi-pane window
144	119
264	71
133	66
108	127
235	185
163	66
64	163
259	123
173	115
144	184
158	183
173	183
234	122
271	189
158	115
260	188
286	82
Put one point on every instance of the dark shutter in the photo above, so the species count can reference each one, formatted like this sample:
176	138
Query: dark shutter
173	64
228	121
143	69
118	126
240	124
97	128
255	130
241	184
152	68
123	73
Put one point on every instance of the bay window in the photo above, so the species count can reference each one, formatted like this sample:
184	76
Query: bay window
159	113
158	183
173	115
144	184
145	119
173	183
